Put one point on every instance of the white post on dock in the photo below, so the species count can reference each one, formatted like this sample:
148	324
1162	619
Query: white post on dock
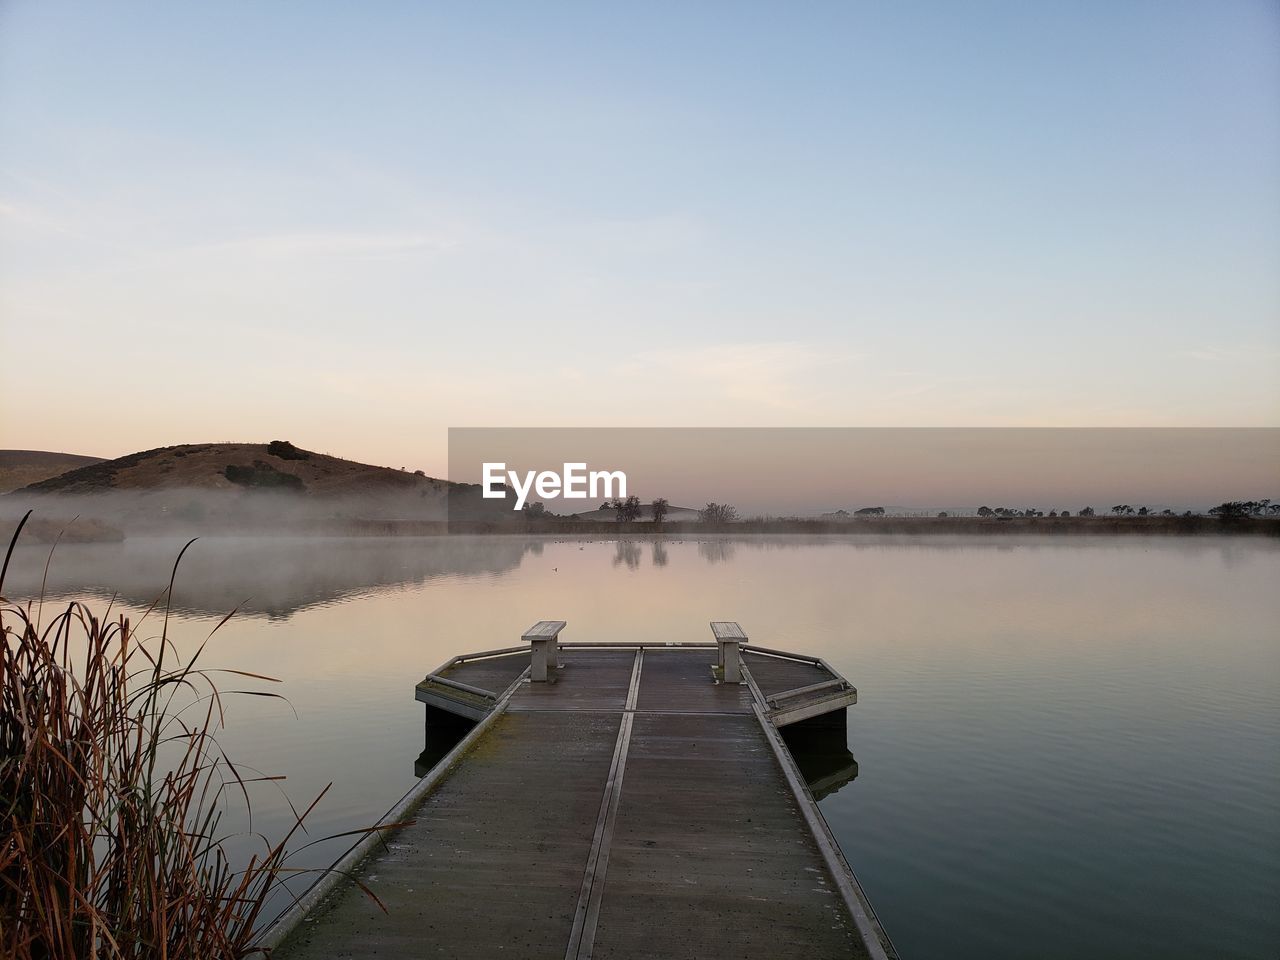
543	637
729	636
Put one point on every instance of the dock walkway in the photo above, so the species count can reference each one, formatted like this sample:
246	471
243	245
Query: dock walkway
631	807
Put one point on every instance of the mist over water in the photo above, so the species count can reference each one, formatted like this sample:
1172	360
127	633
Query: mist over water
189	511
274	577
1062	747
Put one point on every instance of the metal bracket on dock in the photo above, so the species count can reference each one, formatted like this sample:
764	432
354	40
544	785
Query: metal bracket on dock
839	683
465	687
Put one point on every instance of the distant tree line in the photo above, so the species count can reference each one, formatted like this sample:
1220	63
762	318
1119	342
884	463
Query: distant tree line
1120	510
1246	508
1232	508
630	509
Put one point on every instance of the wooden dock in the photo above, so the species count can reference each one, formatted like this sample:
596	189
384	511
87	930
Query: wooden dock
633	804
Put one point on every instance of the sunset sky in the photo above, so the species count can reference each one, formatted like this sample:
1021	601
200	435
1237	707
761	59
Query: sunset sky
356	225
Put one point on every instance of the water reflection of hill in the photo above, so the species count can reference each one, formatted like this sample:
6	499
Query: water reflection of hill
272	577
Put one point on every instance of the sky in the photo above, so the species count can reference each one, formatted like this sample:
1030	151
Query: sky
354	226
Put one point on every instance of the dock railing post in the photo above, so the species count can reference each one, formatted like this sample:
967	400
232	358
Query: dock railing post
544	639
731	661
729	637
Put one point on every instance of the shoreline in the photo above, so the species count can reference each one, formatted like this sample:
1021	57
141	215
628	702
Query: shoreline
88	531
1062	526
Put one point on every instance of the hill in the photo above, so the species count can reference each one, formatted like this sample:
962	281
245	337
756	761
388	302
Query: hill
278	465
21	467
248	488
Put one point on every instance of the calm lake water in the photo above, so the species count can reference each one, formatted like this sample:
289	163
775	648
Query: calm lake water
1065	747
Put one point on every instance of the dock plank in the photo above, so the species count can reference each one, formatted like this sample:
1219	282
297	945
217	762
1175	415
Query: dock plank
587	680
494	864
680	680
710	858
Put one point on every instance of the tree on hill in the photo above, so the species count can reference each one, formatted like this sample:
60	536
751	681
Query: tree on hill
1229	510
1086	511
287	451
628	510
718	513
660	508
262	475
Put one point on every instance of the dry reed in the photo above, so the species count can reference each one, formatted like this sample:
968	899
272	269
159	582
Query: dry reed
112	792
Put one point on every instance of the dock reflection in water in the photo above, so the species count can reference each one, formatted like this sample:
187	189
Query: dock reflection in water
821	751
441	733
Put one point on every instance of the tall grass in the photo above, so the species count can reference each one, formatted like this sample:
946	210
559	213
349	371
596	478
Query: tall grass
112	792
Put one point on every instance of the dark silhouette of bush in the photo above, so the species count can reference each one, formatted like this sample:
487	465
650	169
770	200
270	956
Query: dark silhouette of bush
286	451
718	513
262	476
628	510
1232	509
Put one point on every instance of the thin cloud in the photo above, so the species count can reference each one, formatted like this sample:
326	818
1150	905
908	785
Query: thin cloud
357	246
776	375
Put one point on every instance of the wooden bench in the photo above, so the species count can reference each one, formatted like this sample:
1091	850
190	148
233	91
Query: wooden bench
543	639
729	637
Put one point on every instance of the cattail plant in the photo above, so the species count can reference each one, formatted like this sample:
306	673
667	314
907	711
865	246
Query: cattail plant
112	791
